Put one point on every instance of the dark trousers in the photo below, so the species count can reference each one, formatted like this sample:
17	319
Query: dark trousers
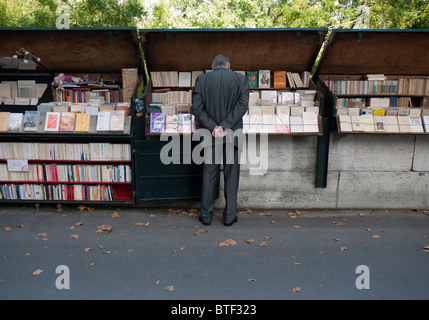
231	170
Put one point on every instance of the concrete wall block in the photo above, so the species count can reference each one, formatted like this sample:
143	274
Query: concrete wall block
283	153
383	190
283	190
370	152
421	153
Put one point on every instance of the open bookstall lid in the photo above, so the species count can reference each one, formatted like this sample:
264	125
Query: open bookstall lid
394	52
292	50
75	50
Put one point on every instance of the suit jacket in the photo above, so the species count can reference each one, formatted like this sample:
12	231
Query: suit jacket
221	98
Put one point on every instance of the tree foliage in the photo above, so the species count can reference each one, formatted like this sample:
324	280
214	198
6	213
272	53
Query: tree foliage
380	14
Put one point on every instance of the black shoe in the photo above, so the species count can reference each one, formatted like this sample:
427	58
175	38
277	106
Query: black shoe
203	222
231	223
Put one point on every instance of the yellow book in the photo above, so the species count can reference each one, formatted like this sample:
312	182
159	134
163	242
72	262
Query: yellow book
82	122
379	112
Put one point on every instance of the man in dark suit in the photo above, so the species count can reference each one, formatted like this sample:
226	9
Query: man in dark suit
219	101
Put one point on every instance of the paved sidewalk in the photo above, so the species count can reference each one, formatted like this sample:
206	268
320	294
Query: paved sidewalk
150	253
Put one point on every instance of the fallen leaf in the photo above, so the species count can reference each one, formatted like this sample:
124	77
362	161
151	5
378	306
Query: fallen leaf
83	208
130	251
107	252
152	216
79	223
87	249
249	240
343	248
228	242
157	282
115	215
296	289
182	248
37	272
169	288
368	229
104	228
8	229
426	249
74	236
337	223
362	214
267	237
273	221
375	236
251	280
297	226
337	239
43	234
138	223
263	244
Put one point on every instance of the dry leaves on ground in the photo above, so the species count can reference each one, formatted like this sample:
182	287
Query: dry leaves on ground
115	215
426	249
104	228
228	242
296	289
37	272
169	288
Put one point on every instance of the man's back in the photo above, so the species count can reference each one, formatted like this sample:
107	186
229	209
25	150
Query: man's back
223	95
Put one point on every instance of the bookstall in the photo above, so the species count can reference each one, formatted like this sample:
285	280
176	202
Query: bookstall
284	101
376	86
66	114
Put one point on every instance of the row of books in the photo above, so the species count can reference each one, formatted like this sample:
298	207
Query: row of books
277	79
378	102
161	103
356	111
293	110
391	124
285	97
281	123
402	86
169	96
256	79
61	121
83	95
68	173
56	192
94	151
97	105
172	123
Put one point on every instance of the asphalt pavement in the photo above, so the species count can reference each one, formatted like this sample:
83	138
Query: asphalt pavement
167	254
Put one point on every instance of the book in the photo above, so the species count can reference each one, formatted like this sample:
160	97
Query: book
290	79
264	79
404	124
185	123
185	79
391	124
309	120
282	123
52	121
31	120
171	123
67	121
15	122
345	123
157	122
269	123
279	79
415	123
368	123
379	124
296	124
195	75
357	125
103	121
117	120
252	78
82	122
